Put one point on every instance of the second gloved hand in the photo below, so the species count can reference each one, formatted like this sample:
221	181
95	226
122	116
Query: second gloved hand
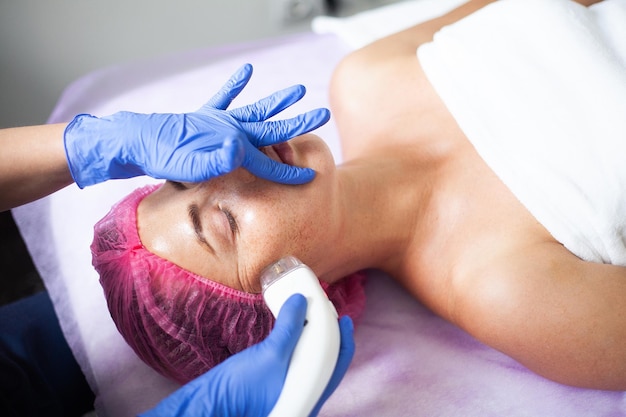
249	383
191	147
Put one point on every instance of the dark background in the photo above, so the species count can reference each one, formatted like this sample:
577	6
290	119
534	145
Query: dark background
18	276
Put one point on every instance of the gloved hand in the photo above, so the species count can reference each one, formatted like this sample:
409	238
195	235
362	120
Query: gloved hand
248	384
191	147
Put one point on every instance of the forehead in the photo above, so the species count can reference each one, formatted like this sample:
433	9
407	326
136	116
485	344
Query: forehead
166	229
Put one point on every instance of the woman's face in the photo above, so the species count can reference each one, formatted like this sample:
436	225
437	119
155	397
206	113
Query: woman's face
229	228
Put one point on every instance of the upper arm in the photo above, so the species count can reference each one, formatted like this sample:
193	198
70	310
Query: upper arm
562	317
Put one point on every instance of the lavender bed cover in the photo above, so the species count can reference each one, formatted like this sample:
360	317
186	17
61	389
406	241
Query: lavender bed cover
408	362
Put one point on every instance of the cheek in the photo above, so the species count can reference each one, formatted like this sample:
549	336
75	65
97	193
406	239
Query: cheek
272	234
265	228
276	221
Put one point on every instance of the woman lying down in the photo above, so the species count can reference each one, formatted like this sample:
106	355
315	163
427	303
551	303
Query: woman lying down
484	170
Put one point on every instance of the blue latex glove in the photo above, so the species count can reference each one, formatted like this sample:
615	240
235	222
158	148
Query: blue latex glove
191	147
248	384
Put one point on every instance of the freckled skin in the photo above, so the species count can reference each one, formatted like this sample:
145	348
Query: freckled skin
414	200
273	220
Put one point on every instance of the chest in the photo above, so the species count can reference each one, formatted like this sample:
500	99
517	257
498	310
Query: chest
472	221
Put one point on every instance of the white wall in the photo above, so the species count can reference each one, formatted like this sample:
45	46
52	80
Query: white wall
46	44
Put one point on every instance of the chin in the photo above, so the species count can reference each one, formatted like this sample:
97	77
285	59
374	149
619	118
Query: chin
313	152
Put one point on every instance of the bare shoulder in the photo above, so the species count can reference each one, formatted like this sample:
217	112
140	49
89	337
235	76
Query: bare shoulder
588	2
379	93
560	316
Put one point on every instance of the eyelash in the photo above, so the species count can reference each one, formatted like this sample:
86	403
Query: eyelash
231	220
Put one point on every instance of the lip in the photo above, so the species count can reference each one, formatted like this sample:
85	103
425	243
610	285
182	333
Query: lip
284	152
281	151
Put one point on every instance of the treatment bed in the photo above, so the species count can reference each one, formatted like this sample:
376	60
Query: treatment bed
408	361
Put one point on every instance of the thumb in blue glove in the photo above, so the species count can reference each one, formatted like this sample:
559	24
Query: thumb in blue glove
190	147
249	383
346	353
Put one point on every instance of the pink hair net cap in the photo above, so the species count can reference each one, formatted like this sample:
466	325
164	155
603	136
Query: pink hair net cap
179	323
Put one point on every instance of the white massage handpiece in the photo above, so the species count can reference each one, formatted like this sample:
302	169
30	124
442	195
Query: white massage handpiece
314	359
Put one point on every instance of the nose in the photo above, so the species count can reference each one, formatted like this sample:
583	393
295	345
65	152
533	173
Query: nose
244	176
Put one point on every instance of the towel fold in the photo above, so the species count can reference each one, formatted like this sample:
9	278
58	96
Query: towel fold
539	88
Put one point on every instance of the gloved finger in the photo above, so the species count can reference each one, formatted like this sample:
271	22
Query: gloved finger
288	327
272	132
346	353
222	99
262	166
269	106
210	164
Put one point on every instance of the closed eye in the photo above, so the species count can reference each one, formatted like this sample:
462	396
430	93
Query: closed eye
231	221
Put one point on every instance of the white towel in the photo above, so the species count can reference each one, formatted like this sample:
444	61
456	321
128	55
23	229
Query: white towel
539	88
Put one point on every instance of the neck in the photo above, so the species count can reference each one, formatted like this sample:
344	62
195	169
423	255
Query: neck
381	201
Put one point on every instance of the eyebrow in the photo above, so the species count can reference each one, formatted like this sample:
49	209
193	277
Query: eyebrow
194	216
178	185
